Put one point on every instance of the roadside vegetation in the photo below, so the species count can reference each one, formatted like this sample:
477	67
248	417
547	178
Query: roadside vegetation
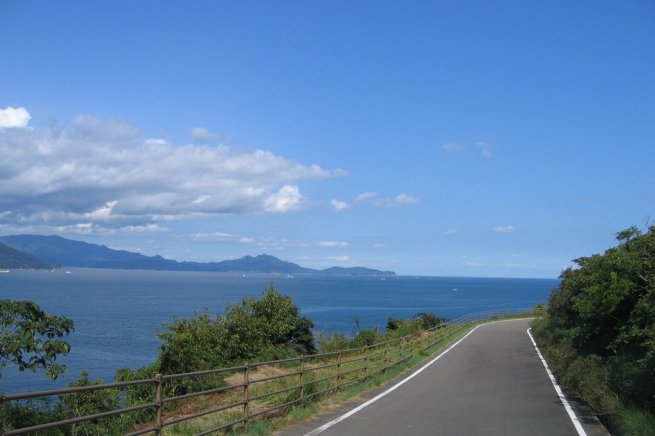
598	334
255	330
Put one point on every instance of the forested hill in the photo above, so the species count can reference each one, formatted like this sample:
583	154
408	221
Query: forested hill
70	253
11	258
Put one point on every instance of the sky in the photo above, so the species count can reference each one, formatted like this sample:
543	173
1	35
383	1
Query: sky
443	138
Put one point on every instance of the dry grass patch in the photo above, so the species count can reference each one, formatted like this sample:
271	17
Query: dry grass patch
260	373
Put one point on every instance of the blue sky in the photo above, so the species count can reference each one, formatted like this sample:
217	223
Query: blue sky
462	138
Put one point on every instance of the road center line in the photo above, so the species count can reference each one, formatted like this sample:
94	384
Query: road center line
397	385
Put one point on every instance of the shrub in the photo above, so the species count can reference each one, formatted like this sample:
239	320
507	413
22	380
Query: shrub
366	337
591	381
89	403
429	320
266	327
599	330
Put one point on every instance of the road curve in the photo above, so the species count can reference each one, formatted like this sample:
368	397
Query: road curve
491	383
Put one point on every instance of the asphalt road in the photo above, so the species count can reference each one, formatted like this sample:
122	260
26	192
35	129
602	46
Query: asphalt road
491	383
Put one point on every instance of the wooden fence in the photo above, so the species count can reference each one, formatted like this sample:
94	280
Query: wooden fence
233	396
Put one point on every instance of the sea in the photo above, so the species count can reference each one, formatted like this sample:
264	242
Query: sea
117	313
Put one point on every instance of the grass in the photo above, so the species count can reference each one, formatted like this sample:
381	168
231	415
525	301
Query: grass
631	421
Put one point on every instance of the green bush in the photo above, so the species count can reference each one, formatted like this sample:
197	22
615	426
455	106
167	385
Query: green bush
334	342
397	327
429	320
366	337
591	380
269	327
80	404
139	394
27	413
598	333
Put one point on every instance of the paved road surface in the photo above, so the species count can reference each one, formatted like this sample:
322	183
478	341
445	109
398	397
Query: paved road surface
492	383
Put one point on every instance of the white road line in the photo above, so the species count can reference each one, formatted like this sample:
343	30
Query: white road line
560	394
394	387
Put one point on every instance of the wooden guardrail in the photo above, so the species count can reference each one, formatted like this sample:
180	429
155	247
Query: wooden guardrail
234	396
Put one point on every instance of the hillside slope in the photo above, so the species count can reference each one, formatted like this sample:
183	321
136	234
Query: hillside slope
10	258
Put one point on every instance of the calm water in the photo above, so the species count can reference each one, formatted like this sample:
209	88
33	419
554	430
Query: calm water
117	313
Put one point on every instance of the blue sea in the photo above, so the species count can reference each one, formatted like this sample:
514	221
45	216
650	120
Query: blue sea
117	312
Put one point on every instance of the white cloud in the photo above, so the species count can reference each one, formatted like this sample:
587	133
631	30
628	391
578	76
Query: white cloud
339	206
366	196
155	141
520	265
452	148
504	229
373	199
451	232
102	212
220	237
287	199
475	264
378	245
339	258
14	117
332	244
148	228
103	172
201	134
485	148
405	199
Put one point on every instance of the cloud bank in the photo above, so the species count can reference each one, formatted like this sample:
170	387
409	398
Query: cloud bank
100	173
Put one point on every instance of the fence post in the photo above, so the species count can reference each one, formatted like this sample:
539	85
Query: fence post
338	367
2	401
302	377
158	392
384	358
246	394
365	362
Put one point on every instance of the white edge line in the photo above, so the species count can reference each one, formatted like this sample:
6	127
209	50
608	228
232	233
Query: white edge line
560	394
396	386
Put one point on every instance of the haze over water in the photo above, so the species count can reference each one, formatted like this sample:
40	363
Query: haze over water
117	313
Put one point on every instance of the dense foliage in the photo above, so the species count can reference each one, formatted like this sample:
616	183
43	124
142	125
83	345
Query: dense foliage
28	337
269	327
600	324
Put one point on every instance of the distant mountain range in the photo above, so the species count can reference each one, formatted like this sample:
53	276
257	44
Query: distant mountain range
55	250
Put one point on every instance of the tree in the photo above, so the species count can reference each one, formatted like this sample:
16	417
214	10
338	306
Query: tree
268	327
29	337
604	310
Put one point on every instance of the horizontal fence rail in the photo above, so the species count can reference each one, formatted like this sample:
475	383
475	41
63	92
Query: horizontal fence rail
235	395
